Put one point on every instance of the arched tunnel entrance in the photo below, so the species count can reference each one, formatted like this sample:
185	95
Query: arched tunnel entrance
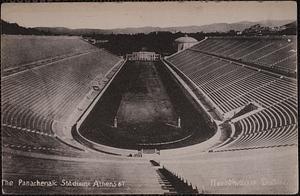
145	107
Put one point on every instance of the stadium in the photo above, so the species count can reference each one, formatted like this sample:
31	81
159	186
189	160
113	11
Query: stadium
220	115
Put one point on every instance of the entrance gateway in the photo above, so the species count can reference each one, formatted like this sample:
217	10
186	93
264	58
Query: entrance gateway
143	56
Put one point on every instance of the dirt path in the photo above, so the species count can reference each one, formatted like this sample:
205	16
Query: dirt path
146	99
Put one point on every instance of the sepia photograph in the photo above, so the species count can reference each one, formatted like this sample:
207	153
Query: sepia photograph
160	98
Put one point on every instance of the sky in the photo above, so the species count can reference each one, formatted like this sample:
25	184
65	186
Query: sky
139	14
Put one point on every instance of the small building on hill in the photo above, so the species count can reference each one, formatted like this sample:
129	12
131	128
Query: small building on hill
185	42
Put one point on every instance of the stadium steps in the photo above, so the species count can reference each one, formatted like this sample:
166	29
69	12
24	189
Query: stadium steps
258	86
43	62
165	184
171	183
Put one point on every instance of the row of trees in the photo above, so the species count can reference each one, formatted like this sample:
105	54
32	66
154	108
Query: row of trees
159	42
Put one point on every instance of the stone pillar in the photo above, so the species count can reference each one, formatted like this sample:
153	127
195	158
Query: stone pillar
179	123
115	122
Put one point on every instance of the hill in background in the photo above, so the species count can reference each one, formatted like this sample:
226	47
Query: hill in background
15	29
216	27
